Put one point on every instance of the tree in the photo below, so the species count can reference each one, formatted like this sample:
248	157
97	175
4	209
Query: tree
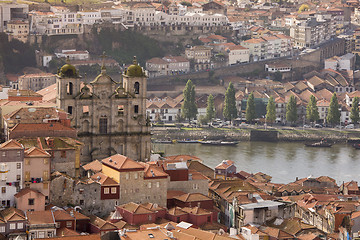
189	108
250	108
210	109
354	114
333	116
230	111
271	111
291	110
312	112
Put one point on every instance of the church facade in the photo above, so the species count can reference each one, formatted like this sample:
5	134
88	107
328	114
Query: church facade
110	117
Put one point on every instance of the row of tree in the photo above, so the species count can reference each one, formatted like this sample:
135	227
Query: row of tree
189	107
230	112
312	112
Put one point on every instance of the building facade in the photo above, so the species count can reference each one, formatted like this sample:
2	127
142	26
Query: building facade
111	117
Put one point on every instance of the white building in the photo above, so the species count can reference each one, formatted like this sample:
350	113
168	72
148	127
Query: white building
36	81
11	171
238	54
90	17
72	54
12	11
345	62
168	65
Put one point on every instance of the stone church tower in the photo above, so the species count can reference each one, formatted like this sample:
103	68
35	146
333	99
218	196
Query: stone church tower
110	117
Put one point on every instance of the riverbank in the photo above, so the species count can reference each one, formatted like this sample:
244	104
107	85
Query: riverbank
243	134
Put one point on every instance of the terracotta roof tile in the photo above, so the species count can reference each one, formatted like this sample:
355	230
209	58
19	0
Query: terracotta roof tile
121	162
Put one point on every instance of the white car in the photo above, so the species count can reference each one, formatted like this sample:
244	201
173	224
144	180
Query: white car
350	126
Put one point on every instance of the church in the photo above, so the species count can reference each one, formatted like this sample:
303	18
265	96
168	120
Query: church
109	116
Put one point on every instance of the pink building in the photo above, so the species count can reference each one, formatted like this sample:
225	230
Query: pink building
37	170
30	200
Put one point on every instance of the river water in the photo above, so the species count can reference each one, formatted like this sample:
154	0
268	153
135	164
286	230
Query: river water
283	161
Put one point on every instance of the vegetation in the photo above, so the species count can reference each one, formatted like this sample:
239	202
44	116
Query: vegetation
130	44
278	76
230	110
354	114
303	8
312	112
333	116
271	111
210	109
250	108
185	3
291	110
15	55
189	108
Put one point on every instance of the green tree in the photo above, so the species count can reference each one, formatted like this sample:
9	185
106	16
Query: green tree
189	108
312	112
354	114
271	111
250	108
230	111
291	110
210	109
333	116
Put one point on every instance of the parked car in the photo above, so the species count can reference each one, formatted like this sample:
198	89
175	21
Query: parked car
350	126
318	125
307	126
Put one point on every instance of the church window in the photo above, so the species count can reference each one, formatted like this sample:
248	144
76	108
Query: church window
103	125
136	109
70	88
137	87
120	110
70	109
86	110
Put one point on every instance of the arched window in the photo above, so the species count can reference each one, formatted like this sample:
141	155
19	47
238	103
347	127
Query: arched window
120	125
70	88
137	87
85	126
103	125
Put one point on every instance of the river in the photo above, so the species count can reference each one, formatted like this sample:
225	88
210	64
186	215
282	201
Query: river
284	161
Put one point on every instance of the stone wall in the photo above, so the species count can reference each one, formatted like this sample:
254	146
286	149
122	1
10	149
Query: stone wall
265	136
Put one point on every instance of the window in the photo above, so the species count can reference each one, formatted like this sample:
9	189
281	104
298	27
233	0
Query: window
18	177
127	176
3	189
46	161
86	110
106	190
136	109
70	110
57	225
157	184
81	202
135	175
113	190
12	225
18	153
149	185
31	201
49	234
103	125
63	154
46	175
120	110
18	166
68	224
2	229
20	225
136	87
70	88
4	154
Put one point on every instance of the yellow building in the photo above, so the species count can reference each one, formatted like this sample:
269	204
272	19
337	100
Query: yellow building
19	30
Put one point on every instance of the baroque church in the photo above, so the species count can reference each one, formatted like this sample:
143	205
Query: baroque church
110	117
